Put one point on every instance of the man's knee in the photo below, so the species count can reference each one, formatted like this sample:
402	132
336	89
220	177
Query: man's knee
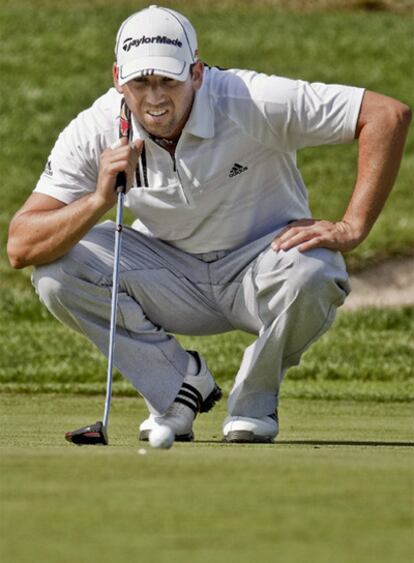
47	281
53	287
317	278
320	274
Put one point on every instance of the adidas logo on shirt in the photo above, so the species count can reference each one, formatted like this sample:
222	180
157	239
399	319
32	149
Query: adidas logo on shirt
237	169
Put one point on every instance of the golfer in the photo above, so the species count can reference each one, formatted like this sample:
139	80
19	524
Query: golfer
223	238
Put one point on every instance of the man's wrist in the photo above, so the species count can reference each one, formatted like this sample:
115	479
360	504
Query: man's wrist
357	228
99	204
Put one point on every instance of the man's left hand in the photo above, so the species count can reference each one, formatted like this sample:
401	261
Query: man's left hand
306	234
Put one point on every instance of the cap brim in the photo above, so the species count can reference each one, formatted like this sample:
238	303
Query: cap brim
149	66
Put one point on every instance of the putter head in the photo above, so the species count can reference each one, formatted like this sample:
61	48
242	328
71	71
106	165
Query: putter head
93	435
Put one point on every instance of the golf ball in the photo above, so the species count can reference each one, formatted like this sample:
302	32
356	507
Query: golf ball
161	437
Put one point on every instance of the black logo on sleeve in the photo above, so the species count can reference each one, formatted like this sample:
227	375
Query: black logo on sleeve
48	168
237	169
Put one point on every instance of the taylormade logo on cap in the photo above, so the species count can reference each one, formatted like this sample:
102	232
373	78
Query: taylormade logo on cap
131	42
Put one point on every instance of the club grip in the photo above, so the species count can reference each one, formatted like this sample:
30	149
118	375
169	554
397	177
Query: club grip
120	181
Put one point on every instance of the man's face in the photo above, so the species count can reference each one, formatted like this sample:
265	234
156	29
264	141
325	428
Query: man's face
161	105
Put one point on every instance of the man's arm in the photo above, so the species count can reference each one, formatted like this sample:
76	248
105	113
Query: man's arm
45	229
381	129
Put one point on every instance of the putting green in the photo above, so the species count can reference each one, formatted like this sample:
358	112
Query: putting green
336	487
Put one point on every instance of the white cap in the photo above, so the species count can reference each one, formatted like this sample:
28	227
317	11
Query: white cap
156	41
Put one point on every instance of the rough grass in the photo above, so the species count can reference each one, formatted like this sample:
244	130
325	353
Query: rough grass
56	59
366	355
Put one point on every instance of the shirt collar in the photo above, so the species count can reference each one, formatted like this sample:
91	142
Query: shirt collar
201	120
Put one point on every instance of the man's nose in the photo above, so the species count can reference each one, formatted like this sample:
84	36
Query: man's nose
155	94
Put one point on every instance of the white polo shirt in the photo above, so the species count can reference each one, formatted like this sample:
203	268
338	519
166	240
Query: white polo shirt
234	177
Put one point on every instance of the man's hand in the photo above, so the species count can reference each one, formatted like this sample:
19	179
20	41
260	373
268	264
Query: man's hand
306	234
381	129
123	157
45	228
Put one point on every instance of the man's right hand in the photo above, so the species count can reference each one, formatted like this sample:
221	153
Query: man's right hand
45	228
122	157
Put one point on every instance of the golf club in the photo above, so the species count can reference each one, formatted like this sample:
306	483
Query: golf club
97	434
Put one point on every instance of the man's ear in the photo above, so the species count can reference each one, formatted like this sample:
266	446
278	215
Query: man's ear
115	75
197	74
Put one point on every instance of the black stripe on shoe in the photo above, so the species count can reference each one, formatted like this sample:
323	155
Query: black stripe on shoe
187	387
187	403
183	393
189	394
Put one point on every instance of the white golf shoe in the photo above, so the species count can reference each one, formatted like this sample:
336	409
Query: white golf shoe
244	429
198	393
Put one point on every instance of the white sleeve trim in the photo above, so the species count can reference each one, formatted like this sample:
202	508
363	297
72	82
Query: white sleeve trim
61	193
351	120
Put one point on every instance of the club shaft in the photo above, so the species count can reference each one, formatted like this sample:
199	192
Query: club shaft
114	302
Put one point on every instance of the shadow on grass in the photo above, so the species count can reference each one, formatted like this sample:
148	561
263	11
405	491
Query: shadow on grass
345	443
318	443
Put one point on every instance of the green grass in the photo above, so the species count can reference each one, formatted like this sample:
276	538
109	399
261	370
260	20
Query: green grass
367	354
61	62
337	487
56	59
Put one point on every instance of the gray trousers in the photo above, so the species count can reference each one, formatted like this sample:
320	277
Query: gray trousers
288	299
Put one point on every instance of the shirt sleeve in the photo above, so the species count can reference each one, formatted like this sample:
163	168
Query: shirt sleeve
72	167
287	114
319	114
69	173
